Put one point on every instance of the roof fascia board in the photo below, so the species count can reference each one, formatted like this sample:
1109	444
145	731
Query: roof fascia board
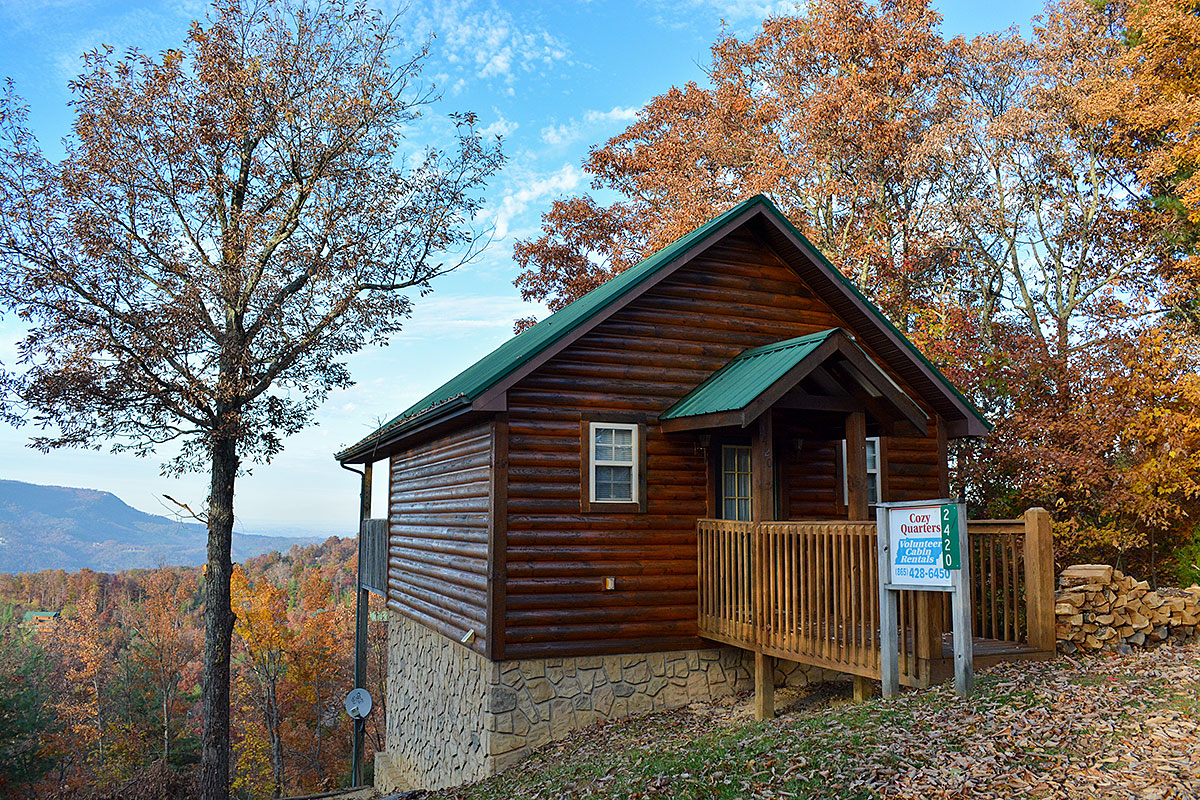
550	351
973	424
872	372
716	419
383	447
788	380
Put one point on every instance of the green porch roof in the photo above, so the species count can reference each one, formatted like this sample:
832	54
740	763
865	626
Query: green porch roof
738	383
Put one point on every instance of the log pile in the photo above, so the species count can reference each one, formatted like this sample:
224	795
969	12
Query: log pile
1100	608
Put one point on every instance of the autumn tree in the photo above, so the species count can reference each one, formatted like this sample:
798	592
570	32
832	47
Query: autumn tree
26	716
164	643
1151	104
229	221
262	627
83	642
319	664
832	113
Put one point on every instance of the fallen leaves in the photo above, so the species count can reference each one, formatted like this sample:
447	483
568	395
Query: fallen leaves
1072	728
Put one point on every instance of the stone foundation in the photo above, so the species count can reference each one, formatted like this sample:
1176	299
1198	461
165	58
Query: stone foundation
455	717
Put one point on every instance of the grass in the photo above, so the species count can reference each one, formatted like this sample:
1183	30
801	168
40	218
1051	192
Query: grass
1073	727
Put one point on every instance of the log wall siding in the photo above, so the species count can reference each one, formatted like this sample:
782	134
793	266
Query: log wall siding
736	296
438	533
811	481
913	467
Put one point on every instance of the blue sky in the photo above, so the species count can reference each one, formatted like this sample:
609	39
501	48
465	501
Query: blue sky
552	79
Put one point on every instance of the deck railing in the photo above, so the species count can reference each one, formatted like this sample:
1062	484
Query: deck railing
807	591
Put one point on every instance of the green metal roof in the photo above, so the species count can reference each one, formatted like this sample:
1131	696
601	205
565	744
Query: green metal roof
461	390
735	385
495	366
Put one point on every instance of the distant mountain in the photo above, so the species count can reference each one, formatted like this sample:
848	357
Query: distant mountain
59	527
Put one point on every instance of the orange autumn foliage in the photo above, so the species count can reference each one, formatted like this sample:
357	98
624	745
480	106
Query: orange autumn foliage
971	189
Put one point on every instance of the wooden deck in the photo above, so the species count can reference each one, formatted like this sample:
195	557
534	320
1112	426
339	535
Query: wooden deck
807	591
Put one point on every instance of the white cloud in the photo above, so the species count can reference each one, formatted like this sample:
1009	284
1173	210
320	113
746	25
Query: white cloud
741	15
559	135
486	38
615	114
514	203
501	127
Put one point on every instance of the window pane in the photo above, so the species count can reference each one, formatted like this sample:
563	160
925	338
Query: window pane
730	484
743	485
730	511
872	488
872	454
614	483
743	459
604	444
743	510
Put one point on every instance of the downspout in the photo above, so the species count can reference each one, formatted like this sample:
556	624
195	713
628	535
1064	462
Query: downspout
361	604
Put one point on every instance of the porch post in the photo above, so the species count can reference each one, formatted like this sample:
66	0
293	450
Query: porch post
762	466
857	506
857	501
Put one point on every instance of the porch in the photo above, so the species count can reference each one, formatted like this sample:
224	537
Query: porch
807	591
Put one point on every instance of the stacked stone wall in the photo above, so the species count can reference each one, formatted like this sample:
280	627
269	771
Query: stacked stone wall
436	690
455	717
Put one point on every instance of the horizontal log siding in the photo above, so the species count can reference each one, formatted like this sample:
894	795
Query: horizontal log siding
642	359
811	480
438	533
913	469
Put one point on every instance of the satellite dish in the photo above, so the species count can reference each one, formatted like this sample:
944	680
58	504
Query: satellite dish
358	703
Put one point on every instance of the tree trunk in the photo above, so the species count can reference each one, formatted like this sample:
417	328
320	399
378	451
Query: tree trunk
276	738
166	729
218	623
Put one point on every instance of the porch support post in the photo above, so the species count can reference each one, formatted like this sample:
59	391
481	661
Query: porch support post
857	501
764	686
762	465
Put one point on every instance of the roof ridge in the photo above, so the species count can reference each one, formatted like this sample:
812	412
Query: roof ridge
795	341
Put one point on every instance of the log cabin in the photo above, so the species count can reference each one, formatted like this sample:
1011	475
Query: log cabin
660	494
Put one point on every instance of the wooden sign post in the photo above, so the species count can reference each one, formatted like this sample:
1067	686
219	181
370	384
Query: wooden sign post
920	546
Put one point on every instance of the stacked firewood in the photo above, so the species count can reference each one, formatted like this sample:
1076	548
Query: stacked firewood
1100	608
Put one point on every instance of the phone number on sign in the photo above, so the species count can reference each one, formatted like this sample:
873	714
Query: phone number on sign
922	573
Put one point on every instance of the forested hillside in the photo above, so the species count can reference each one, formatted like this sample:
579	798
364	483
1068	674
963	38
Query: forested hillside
107	698
67	528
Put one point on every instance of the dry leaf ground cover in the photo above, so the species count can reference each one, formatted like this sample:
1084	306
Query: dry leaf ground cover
1079	727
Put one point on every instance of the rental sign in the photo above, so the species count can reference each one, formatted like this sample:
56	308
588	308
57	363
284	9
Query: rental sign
924	545
920	547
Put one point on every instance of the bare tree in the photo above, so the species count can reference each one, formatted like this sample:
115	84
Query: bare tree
228	222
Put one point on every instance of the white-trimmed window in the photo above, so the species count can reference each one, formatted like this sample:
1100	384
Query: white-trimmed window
614	467
872	472
735	482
